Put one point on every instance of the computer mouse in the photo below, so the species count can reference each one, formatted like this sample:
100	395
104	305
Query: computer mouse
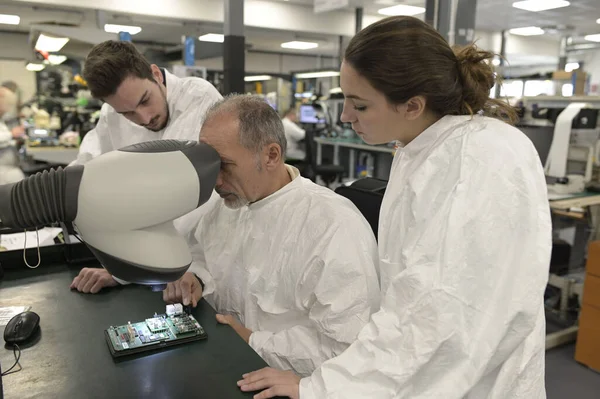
21	327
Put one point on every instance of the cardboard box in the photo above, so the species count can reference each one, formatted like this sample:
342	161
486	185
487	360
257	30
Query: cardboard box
587	350
579	88
592	266
591	291
577	78
564	75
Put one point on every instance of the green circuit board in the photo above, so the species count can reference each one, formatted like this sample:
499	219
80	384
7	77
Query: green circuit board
153	333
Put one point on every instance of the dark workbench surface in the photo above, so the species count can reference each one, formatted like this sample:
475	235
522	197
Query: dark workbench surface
71	358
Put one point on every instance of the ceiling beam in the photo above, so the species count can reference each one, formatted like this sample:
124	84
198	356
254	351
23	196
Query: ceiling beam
583	47
86	35
290	17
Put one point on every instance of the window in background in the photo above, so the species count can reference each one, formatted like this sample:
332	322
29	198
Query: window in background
512	88
567	90
539	87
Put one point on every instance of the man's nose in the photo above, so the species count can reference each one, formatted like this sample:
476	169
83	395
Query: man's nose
144	117
219	182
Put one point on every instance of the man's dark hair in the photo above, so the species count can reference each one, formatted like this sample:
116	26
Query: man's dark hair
110	63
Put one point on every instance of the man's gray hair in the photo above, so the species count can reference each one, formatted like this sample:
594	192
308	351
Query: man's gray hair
260	125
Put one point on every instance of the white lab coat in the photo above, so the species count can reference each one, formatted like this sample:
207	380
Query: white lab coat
293	134
9	169
5	135
188	100
298	268
464	246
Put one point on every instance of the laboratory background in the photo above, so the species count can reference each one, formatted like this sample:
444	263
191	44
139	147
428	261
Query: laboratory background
289	53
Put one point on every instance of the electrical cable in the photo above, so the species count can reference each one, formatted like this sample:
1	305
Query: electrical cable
78	239
38	250
17	358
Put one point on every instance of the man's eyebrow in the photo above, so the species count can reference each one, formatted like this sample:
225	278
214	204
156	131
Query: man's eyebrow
141	101
143	97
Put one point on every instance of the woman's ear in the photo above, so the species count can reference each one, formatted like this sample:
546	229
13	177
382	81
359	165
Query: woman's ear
415	107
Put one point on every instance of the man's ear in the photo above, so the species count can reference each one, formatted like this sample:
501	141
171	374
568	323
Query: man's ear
157	73
273	155
415	107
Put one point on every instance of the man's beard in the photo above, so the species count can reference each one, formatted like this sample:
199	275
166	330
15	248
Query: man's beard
155	128
233	200
164	124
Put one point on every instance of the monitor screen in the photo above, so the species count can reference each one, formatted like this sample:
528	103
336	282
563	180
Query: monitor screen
541	137
308	114
35	132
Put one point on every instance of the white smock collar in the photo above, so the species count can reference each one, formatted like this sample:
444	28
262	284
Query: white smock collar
433	133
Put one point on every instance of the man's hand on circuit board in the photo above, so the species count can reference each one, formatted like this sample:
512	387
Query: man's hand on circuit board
187	290
92	280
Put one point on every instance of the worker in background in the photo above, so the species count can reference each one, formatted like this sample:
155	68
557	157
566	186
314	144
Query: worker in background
15	105
290	265
464	231
142	103
294	135
12	109
9	160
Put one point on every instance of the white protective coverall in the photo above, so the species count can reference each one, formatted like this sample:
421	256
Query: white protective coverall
464	247
188	101
298	268
294	134
9	169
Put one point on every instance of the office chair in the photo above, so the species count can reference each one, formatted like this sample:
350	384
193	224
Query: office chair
328	172
366	194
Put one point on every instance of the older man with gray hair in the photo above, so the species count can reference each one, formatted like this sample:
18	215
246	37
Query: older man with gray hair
290	265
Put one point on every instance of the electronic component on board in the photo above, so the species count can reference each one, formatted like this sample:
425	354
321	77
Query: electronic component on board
172	328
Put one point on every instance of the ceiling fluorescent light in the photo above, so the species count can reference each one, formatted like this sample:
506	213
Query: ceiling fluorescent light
402	10
299	45
527	31
598	21
593	38
257	78
50	44
8	19
56	59
540	5
212	37
321	74
34	67
112	28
